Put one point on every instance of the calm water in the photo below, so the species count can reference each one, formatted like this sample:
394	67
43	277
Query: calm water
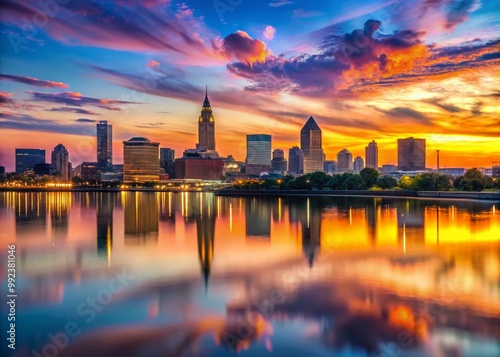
192	274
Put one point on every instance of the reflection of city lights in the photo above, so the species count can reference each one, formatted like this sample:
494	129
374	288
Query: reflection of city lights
404	238
308	212
230	217
279	209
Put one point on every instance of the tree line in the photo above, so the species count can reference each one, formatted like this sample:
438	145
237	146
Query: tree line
368	178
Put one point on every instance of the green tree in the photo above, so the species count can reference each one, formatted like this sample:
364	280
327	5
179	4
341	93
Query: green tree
369	176
387	182
428	181
406	183
354	182
443	182
77	180
473	174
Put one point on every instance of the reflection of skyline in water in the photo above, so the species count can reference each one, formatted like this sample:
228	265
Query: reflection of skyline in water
344	265
140	217
31	212
258	217
104	213
59	207
205	228
311	228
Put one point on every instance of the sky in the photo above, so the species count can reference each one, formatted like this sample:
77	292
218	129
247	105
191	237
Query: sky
365	70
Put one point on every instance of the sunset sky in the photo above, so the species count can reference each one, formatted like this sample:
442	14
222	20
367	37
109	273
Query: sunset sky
366	70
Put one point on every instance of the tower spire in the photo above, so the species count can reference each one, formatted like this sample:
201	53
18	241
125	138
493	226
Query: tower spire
206	103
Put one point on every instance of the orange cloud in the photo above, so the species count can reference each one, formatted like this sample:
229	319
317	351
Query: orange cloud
242	47
153	63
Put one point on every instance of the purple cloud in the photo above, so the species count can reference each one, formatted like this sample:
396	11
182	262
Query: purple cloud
33	81
73	110
78	100
126	25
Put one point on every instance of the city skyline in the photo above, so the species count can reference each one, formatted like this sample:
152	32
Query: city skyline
425	70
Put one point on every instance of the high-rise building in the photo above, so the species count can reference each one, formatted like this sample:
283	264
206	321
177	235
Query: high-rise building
41	169
104	145
141	161
278	163
411	154
89	171
344	161
60	162
258	154
311	146
330	166
206	126
167	159
388	168
495	170
358	164
27	158
371	155
295	161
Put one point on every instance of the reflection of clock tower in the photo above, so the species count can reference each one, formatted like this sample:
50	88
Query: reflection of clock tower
206	126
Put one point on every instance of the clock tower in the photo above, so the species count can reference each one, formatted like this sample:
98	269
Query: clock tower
206	126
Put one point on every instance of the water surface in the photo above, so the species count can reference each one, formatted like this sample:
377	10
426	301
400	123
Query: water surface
193	274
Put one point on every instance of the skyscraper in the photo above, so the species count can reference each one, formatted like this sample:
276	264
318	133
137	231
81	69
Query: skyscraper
311	145
141	161
358	164
411	154
206	126
278	163
371	155
167	159
330	166
295	161
60	162
27	158
258	154
344	161
104	145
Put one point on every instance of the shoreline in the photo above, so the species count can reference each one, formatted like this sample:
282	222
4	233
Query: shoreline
459	195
